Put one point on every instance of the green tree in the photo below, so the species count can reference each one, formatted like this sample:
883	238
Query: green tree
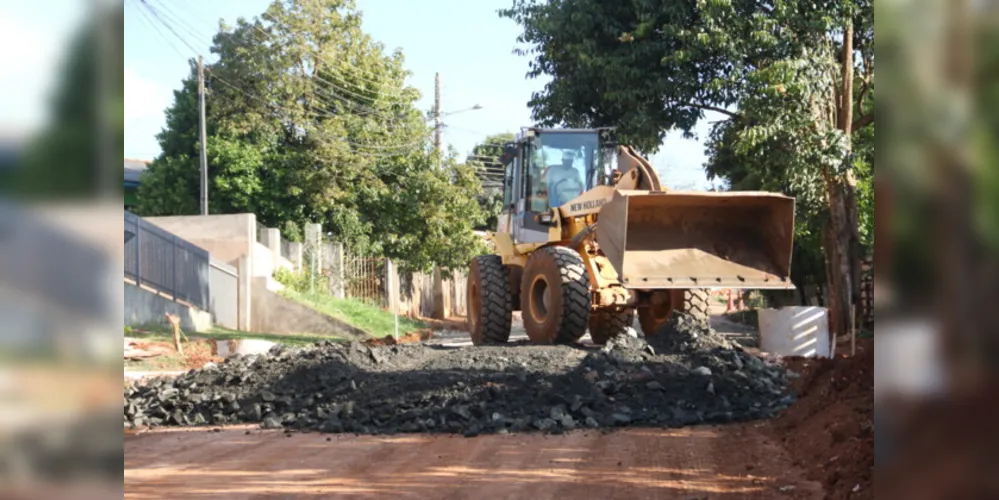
774	70
74	155
309	120
485	158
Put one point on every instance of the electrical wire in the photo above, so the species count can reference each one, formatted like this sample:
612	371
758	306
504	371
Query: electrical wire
409	146
148	21
360	108
180	21
152	10
334	71
397	148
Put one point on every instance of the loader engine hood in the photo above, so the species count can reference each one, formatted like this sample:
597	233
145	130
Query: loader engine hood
658	240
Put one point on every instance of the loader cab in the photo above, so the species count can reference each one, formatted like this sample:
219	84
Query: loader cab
545	169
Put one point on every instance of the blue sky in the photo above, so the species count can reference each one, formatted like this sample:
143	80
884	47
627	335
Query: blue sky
466	41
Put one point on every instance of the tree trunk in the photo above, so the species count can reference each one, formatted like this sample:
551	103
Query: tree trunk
839	243
842	238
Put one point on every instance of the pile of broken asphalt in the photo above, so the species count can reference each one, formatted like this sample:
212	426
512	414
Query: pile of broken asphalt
687	374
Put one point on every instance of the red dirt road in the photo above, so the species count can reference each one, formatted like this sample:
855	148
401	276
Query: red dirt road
734	461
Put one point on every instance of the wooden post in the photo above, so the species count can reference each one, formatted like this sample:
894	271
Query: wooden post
438	287
174	321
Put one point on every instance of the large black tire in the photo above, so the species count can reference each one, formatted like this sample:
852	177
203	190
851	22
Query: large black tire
693	301
605	325
658	311
696	302
555	296
489	301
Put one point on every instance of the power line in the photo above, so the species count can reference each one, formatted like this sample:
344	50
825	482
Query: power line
148	21
335	71
260	99
167	24
197	34
152	10
362	108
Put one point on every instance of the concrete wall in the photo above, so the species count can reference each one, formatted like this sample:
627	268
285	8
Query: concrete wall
263	261
226	237
225	294
229	238
273	313
143	306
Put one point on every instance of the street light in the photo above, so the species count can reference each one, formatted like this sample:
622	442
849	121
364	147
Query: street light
439	132
473	108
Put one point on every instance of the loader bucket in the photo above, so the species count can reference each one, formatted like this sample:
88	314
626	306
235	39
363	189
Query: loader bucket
658	240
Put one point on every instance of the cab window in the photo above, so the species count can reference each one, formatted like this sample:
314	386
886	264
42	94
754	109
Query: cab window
561	167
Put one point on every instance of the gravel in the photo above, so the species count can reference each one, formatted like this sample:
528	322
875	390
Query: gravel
685	375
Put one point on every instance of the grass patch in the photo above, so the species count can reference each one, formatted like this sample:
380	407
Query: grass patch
372	319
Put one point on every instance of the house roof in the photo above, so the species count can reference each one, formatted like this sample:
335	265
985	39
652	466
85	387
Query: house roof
134	169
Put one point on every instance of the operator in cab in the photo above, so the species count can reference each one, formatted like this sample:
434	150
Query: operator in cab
564	181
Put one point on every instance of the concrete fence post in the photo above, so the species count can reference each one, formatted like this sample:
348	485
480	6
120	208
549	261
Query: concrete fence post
244	287
339	287
272	240
392	290
295	249
313	238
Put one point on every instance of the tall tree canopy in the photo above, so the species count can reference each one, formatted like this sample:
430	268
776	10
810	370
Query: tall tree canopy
776	72
308	120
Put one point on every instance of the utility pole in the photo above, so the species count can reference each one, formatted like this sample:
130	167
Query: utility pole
201	126
438	121
438	309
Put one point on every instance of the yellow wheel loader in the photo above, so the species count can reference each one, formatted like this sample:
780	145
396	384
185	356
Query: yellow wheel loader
588	237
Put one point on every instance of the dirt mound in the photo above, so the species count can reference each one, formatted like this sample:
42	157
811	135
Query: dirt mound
830	431
415	387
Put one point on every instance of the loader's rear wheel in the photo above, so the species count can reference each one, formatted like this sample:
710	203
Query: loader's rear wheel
693	301
696	302
605	325
489	301
555	296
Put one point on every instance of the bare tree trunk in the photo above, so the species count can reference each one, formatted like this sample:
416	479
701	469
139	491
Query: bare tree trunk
842	239
838	242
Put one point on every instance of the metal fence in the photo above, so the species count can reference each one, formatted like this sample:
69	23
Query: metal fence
364	279
163	261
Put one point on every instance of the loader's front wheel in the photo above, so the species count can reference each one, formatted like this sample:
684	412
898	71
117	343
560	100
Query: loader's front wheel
489	300
555	296
605	325
658	311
